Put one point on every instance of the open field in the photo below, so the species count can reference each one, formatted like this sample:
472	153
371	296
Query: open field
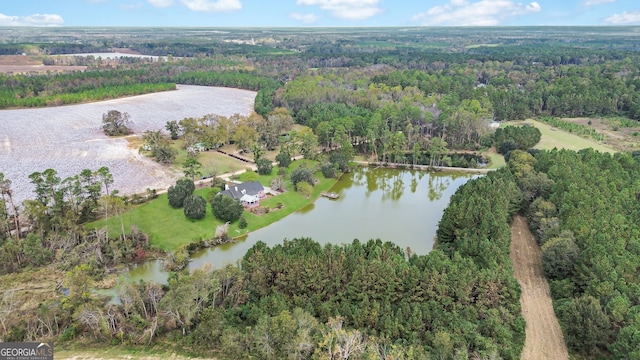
15	64
69	138
616	134
556	138
544	339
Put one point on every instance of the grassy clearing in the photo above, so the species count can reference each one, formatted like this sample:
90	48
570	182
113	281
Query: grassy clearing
169	229
497	160
555	138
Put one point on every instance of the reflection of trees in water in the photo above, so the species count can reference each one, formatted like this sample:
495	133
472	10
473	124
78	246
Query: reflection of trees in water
437	185
390	182
416	176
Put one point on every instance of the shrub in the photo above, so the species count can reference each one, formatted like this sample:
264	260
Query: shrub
115	123
243	223
179	192
264	166
226	208
328	170
283	159
305	188
195	207
301	174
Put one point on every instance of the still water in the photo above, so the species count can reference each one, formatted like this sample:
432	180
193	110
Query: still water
402	206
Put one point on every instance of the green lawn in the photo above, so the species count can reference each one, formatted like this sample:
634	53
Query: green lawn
556	138
169	229
212	161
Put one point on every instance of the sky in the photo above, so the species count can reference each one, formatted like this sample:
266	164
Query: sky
318	13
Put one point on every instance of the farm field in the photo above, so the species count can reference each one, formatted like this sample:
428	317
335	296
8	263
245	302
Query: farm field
556	138
69	139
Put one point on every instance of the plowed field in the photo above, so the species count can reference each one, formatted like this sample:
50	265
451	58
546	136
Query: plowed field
69	138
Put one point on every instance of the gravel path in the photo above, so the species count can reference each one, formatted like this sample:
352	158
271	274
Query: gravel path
69	138
544	339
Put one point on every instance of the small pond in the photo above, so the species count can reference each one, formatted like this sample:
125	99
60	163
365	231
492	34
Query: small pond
402	206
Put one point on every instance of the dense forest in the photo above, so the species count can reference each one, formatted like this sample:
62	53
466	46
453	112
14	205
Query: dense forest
390	95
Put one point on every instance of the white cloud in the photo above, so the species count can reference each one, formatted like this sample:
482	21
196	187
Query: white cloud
478	13
590	3
31	20
346	9
160	3
212	6
626	18
304	18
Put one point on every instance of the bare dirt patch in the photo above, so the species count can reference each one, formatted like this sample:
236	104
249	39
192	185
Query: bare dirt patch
544	339
69	138
18	64
618	137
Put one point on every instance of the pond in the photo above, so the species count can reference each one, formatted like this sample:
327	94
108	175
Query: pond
402	206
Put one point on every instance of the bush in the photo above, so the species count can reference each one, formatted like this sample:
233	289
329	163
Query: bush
328	170
305	188
115	123
243	223
301	174
264	166
283	159
179	192
195	207
226	208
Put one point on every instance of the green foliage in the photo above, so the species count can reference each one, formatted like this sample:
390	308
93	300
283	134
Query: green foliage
173	128
300	174
195	207
283	158
191	167
115	123
243	223
304	188
586	325
226	208
510	138
264	166
179	192
558	257
578	129
328	170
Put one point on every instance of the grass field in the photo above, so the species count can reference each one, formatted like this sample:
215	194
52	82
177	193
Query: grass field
169	229
555	138
212	161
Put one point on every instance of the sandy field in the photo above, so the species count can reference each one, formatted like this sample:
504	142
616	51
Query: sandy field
70	139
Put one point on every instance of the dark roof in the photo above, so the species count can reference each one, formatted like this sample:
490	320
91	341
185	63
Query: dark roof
250	188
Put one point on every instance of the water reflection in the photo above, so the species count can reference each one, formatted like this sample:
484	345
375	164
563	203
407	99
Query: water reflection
401	206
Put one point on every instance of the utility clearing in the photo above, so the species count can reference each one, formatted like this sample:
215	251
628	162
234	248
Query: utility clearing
544	339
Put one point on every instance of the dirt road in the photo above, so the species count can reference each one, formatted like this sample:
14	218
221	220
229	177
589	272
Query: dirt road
544	339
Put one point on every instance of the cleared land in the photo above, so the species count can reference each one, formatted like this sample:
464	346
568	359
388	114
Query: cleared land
69	138
544	339
18	64
617	132
556	138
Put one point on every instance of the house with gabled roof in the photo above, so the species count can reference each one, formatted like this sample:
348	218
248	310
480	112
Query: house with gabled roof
249	193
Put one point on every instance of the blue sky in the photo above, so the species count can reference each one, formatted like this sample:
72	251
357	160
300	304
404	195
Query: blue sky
270	13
